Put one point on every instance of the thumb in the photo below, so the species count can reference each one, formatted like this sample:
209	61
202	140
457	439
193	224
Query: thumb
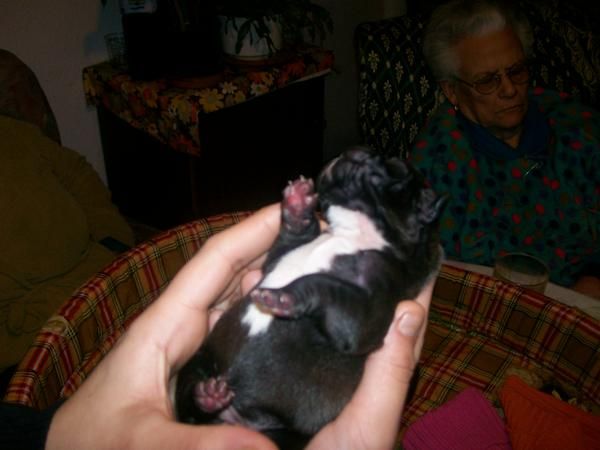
389	370
381	395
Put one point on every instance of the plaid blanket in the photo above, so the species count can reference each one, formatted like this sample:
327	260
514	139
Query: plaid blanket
479	328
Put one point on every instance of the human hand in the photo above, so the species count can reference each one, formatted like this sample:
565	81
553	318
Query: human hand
372	418
588	285
125	401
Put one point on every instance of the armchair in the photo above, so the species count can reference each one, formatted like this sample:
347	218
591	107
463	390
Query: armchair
87	325
59	226
397	92
479	329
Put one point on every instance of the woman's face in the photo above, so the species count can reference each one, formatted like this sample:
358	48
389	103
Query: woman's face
503	110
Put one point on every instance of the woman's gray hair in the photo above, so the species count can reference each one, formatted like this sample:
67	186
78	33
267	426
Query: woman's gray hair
458	19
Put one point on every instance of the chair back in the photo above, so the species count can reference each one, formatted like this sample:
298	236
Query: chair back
397	92
22	97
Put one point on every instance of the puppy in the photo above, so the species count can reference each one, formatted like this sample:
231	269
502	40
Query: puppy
287	358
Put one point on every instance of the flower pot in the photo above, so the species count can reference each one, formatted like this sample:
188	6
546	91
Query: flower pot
253	47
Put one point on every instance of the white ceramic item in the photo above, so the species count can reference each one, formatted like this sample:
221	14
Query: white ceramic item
253	48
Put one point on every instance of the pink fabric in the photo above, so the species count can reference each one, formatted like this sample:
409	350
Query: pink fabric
466	422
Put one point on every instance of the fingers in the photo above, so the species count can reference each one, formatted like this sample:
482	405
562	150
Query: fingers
146	428
173	435
181	311
214	316
424	299
386	380
372	417
250	280
207	274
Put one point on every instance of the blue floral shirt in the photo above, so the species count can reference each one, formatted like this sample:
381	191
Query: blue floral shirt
548	207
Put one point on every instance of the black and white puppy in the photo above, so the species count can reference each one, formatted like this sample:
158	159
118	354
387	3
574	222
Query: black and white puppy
287	358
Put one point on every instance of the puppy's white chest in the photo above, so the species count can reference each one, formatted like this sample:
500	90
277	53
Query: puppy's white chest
349	232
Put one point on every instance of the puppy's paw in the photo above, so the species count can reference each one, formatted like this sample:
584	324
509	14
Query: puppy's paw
213	395
276	302
299	203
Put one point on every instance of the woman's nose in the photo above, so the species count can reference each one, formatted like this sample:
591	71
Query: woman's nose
507	87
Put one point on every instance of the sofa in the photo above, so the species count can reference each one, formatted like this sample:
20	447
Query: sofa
480	330
58	225
397	92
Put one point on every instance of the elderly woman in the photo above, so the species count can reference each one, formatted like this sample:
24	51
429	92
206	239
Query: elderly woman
521	166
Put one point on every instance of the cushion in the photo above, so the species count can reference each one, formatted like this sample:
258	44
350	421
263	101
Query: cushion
468	421
479	328
46	232
538	420
56	211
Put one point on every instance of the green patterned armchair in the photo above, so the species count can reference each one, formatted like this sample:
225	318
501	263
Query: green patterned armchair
397	91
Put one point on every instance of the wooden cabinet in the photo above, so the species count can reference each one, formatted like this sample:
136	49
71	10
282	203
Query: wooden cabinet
179	149
248	153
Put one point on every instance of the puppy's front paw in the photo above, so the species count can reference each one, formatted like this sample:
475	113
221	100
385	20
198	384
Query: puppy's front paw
275	301
213	395
299	203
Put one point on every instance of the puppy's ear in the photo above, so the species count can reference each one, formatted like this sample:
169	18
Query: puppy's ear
400	173
431	206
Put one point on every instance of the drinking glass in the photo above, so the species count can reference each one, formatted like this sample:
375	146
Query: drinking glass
523	270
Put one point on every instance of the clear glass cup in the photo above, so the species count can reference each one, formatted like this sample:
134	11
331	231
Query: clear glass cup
523	270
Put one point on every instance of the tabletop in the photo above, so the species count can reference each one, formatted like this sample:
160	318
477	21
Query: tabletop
170	108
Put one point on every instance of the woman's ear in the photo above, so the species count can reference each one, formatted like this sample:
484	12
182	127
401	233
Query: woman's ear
449	90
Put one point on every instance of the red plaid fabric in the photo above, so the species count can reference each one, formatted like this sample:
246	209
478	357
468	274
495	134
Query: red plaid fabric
479	327
85	328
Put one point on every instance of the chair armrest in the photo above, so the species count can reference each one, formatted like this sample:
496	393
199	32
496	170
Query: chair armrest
84	329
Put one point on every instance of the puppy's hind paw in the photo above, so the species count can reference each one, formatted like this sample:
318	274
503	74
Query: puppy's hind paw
213	395
272	301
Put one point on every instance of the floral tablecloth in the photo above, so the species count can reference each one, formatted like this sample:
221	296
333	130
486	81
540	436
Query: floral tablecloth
169	109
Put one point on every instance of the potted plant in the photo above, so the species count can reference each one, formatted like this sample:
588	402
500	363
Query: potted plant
248	26
268	25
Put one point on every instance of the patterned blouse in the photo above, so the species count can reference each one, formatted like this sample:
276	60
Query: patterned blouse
547	207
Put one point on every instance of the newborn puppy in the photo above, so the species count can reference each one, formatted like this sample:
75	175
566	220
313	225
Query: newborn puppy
287	358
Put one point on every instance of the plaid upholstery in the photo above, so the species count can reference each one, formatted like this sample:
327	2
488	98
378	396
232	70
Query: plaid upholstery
84	329
479	327
397	92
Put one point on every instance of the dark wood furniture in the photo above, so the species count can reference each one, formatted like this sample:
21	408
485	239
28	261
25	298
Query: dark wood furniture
243	157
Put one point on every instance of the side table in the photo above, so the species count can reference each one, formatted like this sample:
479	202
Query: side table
176	150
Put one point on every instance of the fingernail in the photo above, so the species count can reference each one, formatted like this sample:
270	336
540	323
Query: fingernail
409	324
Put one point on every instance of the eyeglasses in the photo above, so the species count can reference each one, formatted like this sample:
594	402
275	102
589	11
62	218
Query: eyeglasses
488	84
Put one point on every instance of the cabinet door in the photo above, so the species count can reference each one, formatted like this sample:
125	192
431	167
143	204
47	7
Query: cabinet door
249	153
252	150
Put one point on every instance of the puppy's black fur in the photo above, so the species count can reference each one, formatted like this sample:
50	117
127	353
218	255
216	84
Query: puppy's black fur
296	374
